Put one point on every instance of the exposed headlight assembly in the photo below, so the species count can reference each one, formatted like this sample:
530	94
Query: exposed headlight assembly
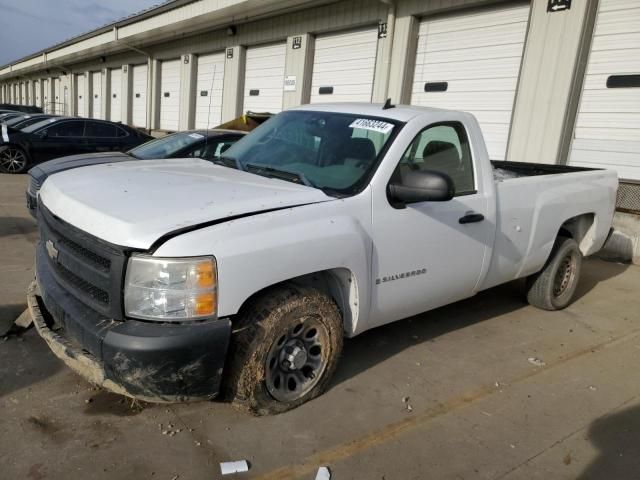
171	289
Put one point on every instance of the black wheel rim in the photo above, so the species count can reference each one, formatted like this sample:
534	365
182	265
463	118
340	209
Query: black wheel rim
565	275
297	360
12	160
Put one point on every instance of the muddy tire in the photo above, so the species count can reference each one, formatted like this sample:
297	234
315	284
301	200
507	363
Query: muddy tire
284	350
554	286
13	160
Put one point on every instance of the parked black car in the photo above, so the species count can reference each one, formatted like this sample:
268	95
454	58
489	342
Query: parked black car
61	136
21	108
206	144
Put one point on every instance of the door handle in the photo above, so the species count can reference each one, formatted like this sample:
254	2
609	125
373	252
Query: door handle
471	218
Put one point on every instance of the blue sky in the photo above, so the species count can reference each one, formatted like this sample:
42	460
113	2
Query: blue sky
27	26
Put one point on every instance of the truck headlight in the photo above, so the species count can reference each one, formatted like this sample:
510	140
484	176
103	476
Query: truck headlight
171	289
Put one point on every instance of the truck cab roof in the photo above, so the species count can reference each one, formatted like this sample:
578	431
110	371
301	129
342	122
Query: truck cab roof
400	113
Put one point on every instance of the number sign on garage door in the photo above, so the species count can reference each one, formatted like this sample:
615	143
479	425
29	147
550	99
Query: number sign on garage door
81	95
209	90
139	100
96	95
471	62
115	94
170	95
344	65
607	131
264	78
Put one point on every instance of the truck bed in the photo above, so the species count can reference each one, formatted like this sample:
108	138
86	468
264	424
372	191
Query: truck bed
504	170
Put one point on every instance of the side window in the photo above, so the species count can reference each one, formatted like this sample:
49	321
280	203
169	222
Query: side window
100	130
121	132
443	148
73	128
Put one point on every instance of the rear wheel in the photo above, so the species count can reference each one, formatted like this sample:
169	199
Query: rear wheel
13	160
554	286
284	350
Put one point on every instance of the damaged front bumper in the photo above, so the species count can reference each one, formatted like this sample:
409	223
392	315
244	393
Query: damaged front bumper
142	360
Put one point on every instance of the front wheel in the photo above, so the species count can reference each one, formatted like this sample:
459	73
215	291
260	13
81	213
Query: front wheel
13	160
554	286
285	348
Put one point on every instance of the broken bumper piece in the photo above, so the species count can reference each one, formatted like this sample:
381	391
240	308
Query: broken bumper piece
142	360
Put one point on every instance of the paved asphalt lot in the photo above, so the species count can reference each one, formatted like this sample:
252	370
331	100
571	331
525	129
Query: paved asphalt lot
479	407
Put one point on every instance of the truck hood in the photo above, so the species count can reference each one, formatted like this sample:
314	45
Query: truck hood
43	170
133	204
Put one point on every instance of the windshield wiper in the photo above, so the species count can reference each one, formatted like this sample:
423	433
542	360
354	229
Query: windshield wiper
228	162
272	172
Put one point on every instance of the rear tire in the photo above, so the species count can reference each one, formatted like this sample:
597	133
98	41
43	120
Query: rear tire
554	286
13	160
284	350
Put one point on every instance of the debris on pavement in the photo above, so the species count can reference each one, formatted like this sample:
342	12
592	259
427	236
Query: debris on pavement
536	361
24	321
239	466
408	406
592	388
323	474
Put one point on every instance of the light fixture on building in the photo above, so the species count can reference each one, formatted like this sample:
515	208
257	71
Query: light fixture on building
232	30
103	59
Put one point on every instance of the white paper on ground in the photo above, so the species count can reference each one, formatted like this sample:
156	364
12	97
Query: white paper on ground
323	474
240	466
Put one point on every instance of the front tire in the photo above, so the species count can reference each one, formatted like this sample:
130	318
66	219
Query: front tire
554	286
284	351
13	160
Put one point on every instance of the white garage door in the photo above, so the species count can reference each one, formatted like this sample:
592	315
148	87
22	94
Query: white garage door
115	94
46	93
37	93
81	95
139	99
607	131
23	94
57	97
471	62
264	78
344	65
170	95
209	90
96	94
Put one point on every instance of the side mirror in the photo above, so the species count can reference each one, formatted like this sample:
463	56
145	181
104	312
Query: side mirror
421	186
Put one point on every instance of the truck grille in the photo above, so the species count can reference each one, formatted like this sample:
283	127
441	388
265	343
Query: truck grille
88	268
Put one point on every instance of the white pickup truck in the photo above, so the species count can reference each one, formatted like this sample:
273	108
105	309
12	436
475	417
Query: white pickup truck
172	280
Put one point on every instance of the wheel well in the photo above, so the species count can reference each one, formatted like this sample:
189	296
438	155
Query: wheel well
338	283
581	229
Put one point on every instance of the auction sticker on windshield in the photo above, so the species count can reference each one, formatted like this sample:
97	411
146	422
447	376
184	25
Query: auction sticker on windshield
373	125
197	136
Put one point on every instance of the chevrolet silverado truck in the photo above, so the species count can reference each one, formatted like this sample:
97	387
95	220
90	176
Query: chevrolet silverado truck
177	279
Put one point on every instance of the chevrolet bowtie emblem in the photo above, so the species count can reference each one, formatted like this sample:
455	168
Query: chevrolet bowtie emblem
51	250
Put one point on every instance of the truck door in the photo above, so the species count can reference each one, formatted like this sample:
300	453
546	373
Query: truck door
429	254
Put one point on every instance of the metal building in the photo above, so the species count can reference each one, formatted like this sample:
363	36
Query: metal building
552	81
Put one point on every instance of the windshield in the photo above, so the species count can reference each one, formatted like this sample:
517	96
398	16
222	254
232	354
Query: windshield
29	121
14	120
166	146
325	150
